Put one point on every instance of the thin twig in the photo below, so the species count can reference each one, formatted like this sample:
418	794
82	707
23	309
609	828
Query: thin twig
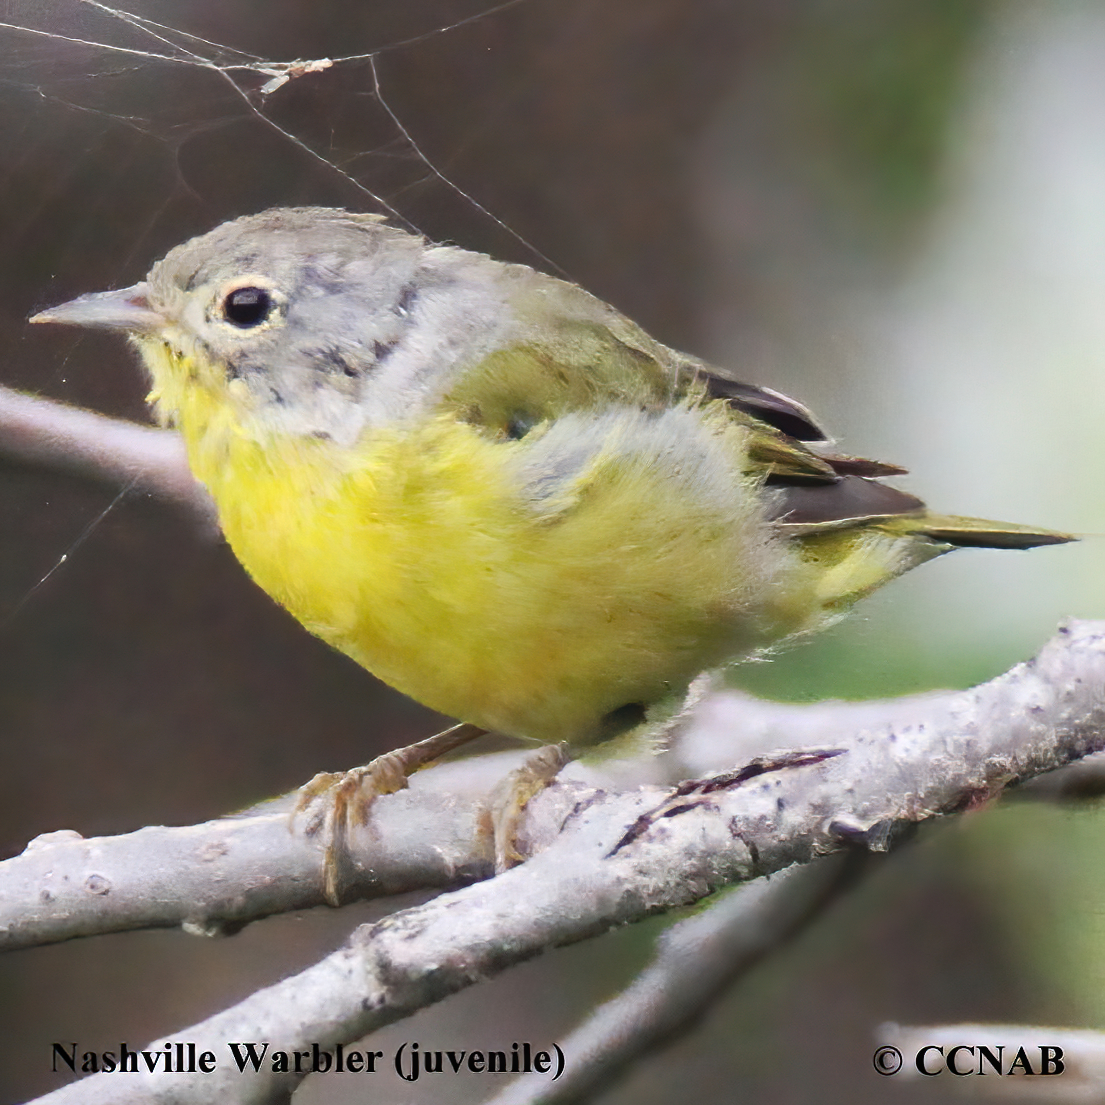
55	436
697	961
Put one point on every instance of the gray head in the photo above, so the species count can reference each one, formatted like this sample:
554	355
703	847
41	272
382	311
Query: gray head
330	320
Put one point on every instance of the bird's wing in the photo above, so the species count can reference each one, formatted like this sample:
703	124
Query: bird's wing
787	415
572	364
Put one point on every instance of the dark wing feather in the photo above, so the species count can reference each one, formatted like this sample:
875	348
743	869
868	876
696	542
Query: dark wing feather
847	497
817	492
811	488
772	407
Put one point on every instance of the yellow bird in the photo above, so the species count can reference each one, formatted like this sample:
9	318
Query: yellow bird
490	488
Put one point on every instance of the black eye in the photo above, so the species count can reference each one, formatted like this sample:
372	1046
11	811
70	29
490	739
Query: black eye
246	307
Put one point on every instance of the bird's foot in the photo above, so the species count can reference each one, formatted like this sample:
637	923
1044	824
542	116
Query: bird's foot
335	801
509	799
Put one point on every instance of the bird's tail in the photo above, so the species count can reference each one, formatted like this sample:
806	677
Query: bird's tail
948	529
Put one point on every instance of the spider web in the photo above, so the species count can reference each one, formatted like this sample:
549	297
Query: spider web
187	92
527	129
142	678
126	130
130	125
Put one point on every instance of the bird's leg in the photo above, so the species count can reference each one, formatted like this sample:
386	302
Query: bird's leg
345	797
630	726
508	800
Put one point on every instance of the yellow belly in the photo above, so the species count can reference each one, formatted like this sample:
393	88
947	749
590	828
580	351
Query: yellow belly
416	554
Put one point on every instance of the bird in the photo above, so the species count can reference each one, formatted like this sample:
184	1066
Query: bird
492	489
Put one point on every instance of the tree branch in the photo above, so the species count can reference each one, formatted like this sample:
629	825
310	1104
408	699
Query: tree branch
965	748
55	436
697	961
906	759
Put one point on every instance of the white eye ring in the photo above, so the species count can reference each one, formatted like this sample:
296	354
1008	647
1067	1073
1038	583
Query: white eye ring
247	304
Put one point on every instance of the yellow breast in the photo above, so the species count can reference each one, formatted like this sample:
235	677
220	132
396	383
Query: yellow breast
418	555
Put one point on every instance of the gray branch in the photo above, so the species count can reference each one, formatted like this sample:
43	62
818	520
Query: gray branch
216	877
55	436
591	875
697	961
905	760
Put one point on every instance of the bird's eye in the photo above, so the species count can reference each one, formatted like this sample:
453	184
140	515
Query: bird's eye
246	307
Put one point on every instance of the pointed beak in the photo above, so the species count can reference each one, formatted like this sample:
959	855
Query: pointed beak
125	309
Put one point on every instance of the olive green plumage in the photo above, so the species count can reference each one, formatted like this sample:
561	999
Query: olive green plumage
492	489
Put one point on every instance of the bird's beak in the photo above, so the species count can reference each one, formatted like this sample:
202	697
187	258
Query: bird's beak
125	309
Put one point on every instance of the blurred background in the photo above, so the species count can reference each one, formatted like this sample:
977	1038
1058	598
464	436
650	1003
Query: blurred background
892	209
